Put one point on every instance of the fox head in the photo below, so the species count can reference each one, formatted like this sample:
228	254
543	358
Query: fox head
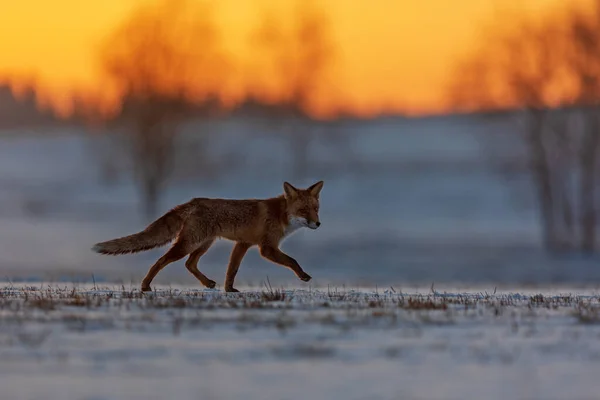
303	205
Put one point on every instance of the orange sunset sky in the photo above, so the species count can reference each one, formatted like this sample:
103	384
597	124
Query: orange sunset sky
391	54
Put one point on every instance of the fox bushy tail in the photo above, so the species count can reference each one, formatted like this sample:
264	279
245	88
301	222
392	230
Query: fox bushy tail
158	233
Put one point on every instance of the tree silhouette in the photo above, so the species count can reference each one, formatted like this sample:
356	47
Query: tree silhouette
166	63
297	60
550	70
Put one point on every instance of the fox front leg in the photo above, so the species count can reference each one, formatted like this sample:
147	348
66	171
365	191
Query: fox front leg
238	252
279	257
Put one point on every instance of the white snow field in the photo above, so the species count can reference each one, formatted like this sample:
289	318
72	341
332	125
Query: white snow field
101	342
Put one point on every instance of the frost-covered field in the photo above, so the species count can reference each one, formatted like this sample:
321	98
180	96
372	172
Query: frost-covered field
87	341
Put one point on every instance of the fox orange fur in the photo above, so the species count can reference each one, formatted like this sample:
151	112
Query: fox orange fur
195	226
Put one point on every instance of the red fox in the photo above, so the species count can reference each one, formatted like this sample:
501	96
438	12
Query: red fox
196	224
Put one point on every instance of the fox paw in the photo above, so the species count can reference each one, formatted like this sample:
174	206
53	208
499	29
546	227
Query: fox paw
231	290
304	277
146	289
210	284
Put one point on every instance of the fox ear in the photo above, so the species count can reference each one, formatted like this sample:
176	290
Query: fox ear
315	189
290	191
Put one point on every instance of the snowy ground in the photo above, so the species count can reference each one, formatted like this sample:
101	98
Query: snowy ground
102	341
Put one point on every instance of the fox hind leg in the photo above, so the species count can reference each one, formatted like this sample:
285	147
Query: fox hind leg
238	252
192	264
178	250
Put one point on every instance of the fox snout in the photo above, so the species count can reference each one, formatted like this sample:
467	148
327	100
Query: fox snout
313	224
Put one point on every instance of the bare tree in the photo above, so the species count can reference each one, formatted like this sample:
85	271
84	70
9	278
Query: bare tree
530	65
549	71
298	60
584	32
167	65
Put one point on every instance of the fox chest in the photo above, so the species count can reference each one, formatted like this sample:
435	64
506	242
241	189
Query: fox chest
293	225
